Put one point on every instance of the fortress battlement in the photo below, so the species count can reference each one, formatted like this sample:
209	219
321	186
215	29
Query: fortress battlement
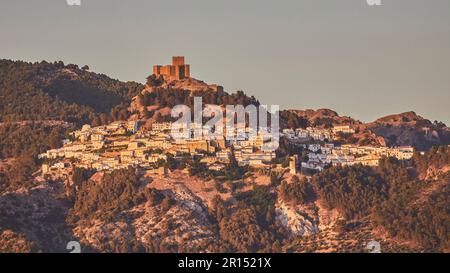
178	70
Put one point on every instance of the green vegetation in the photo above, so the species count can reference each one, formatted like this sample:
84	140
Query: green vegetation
199	169
164	98
18	174
436	156
251	225
427	223
394	196
296	192
54	91
352	190
292	121
261	197
21	143
117	192
30	139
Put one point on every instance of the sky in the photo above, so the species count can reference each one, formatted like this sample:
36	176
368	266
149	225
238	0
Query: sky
359	60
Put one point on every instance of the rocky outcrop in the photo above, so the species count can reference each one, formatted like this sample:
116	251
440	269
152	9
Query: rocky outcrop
298	220
155	82
410	129
324	117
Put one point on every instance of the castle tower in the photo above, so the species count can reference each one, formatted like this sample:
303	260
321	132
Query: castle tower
178	61
187	70
293	165
178	70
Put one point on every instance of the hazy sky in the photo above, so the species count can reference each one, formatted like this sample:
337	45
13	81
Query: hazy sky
341	54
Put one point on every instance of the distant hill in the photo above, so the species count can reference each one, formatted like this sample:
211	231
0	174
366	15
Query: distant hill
319	118
407	117
405	129
410	129
55	91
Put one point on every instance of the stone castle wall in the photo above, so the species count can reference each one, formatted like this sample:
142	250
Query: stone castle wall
178	70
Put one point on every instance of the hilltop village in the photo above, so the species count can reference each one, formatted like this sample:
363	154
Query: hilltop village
123	144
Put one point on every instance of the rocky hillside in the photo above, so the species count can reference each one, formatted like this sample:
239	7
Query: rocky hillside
159	96
323	117
402	207
410	129
33	219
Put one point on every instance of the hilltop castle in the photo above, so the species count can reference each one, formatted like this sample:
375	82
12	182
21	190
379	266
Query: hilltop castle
177	71
177	76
